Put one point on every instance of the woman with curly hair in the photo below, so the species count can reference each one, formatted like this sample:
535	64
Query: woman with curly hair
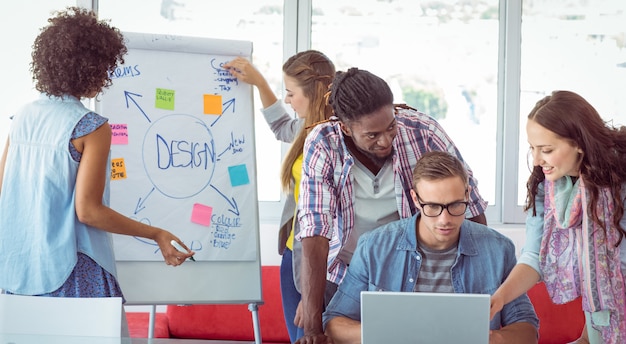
576	222
55	223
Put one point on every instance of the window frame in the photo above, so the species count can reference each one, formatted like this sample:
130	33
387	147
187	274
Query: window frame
509	77
505	209
297	23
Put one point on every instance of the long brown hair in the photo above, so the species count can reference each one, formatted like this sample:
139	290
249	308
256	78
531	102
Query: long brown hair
572	118
313	72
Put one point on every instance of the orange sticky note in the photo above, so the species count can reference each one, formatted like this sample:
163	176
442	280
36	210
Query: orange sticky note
212	104
118	169
201	214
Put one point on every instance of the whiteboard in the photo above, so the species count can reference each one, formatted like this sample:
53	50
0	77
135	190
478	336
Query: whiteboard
183	159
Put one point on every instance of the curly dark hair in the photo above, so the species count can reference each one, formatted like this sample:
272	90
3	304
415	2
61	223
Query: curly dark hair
75	53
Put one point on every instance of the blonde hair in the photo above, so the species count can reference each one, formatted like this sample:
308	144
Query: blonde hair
313	71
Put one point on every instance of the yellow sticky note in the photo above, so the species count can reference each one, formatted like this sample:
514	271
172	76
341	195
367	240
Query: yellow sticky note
118	169
212	104
164	99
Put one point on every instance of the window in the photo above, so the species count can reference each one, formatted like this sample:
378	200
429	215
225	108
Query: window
259	22
578	46
477	66
440	57
256	21
21	21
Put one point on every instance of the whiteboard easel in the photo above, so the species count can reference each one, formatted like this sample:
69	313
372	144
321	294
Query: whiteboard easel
183	158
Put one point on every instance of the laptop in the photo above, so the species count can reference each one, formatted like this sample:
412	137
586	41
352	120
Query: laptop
431	318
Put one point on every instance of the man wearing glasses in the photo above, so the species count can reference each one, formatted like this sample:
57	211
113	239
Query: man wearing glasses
356	176
437	250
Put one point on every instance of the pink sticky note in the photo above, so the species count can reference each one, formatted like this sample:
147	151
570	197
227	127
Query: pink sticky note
119	134
201	214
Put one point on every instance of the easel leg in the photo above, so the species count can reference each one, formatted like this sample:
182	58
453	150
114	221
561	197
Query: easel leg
152	321
254	308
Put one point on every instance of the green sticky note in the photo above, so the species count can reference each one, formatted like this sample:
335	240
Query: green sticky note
165	99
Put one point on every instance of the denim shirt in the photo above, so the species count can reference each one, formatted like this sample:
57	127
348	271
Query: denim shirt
387	259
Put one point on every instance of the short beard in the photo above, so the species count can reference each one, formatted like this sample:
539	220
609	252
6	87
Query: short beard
378	161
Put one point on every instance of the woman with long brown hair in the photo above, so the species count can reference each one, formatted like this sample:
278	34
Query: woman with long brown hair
307	76
576	222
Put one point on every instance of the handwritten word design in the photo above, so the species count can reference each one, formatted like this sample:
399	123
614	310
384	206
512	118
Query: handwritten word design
179	163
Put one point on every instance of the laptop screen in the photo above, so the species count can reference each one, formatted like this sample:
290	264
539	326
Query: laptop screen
432	318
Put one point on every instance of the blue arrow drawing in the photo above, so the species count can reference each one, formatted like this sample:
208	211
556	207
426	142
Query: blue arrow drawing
225	107
230	201
140	203
127	95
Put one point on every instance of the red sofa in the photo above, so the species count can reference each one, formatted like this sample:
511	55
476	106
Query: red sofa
557	323
217	321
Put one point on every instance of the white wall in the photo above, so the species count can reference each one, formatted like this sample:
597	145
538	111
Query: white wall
269	244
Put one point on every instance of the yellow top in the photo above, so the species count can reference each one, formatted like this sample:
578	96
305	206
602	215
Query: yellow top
296	172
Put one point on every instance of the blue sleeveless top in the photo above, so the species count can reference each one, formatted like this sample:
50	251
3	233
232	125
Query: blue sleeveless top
46	250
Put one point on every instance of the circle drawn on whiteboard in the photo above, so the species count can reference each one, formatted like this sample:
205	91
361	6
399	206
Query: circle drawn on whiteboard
179	155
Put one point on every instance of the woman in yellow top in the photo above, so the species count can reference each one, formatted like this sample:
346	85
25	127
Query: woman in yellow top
307	76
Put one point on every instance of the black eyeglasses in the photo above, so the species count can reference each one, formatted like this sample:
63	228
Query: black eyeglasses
435	209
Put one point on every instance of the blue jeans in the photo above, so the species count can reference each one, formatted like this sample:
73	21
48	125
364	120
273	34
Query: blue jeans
290	295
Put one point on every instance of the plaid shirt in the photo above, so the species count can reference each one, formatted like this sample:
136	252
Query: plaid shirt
326	204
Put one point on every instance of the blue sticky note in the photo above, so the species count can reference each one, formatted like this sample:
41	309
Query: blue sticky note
238	175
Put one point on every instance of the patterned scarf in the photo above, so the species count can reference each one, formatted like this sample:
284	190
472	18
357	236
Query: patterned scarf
578	257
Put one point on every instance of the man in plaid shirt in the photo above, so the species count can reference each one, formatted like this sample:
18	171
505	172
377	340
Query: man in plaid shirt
356	176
